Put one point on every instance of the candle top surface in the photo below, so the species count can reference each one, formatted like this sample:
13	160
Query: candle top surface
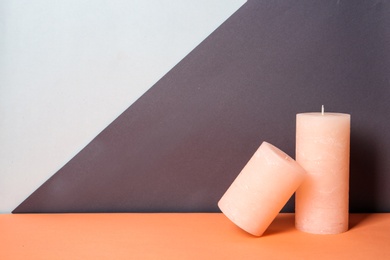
282	156
325	114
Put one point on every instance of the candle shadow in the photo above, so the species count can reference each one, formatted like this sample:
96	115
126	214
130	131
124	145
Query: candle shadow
363	195
356	220
282	223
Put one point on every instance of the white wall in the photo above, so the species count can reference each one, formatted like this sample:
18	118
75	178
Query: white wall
69	68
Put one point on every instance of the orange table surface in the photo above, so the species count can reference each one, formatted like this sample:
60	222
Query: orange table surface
183	236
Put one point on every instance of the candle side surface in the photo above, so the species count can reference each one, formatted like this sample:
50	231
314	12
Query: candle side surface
261	189
323	150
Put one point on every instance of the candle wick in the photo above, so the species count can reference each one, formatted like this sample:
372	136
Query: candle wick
322	110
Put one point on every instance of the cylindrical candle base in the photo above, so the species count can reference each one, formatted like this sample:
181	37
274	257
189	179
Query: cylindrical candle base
322	149
261	189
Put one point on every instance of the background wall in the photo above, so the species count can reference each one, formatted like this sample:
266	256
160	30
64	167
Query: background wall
69	68
180	145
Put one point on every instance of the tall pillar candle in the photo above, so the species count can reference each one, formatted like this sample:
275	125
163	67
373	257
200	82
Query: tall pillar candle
261	189
322	149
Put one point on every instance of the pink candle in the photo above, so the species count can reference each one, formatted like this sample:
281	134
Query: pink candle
322	149
261	189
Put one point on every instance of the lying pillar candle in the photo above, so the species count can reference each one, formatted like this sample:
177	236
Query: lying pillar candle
322	149
261	189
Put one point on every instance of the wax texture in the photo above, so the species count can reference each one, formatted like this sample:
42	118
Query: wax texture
323	150
261	189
